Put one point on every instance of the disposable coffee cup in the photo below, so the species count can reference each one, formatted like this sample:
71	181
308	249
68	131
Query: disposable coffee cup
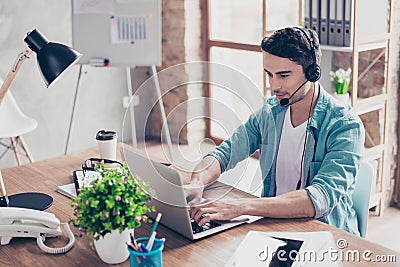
107	142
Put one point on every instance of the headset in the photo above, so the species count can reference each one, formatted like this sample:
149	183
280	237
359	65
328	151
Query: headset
312	72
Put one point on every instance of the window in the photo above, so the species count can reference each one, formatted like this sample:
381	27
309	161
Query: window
235	29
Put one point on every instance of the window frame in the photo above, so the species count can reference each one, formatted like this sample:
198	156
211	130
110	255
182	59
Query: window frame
210	43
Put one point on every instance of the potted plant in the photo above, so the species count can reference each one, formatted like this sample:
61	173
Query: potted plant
109	209
341	81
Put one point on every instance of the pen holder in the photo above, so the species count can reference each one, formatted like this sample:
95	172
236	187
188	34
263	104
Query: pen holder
151	258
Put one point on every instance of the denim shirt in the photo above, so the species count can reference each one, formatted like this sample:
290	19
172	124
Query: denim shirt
334	149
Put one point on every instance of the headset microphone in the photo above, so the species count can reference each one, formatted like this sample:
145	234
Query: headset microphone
285	101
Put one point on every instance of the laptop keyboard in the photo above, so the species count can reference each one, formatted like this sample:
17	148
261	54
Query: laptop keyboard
207	226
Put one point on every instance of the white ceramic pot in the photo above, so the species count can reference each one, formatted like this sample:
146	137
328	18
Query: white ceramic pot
112	248
342	99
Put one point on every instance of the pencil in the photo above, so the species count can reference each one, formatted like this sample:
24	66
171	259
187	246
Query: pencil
135	243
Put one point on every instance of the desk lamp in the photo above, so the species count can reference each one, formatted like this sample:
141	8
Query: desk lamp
53	59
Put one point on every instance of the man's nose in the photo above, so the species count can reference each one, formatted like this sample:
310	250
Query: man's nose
272	83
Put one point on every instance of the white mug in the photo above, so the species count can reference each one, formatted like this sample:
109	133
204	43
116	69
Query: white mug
107	142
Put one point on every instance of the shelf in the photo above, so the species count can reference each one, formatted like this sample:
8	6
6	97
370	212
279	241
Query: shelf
360	48
337	48
378	38
365	105
372	46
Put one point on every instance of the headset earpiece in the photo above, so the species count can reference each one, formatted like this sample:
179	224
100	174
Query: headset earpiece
313	73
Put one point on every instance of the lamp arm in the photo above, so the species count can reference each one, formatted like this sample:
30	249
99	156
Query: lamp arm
13	71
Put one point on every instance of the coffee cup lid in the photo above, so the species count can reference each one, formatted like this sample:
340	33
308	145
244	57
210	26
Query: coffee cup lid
106	135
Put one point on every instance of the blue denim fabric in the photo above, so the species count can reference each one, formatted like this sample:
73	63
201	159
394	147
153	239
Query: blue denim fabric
334	149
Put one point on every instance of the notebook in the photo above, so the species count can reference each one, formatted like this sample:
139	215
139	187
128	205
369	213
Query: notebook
70	190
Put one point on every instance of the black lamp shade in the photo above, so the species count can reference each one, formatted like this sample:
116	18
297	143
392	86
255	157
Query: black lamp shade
53	58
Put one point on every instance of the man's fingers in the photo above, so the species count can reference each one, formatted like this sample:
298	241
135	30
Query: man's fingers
202	212
208	217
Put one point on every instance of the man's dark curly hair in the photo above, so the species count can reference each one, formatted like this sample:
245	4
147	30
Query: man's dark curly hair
292	43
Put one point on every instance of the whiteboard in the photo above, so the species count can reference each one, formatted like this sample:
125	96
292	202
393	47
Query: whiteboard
126	32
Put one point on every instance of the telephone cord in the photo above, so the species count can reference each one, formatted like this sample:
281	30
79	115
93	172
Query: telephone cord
40	241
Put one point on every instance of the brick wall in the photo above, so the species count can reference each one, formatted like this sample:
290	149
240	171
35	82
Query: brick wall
195	52
173	53
182	41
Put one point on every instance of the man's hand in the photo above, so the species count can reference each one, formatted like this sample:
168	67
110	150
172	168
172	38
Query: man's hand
193	192
225	209
207	171
294	204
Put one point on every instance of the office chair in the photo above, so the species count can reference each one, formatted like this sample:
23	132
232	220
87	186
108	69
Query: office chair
13	124
361	195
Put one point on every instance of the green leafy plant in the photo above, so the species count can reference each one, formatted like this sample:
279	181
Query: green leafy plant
116	201
341	80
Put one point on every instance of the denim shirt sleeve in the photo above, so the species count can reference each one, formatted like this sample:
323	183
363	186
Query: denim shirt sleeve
243	142
337	171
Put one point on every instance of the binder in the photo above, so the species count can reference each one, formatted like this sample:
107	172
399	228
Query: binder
331	22
339	23
315	15
323	27
348	30
307	14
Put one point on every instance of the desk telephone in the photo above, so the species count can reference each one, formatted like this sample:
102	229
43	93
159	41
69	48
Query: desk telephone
20	222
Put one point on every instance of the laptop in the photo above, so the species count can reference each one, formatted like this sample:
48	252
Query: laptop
169	198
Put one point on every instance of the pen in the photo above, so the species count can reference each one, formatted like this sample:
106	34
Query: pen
133	240
130	246
134	249
151	241
99	62
155	225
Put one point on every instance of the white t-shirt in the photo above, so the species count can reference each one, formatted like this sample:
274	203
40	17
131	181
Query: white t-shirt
289	156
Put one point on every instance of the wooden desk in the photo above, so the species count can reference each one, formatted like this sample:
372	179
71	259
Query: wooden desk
44	176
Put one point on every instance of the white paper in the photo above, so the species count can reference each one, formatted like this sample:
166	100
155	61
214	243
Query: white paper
94	6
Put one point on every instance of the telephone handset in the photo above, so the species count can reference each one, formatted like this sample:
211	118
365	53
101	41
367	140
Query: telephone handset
20	222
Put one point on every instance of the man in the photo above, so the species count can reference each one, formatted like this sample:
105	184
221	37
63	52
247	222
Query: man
318	148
